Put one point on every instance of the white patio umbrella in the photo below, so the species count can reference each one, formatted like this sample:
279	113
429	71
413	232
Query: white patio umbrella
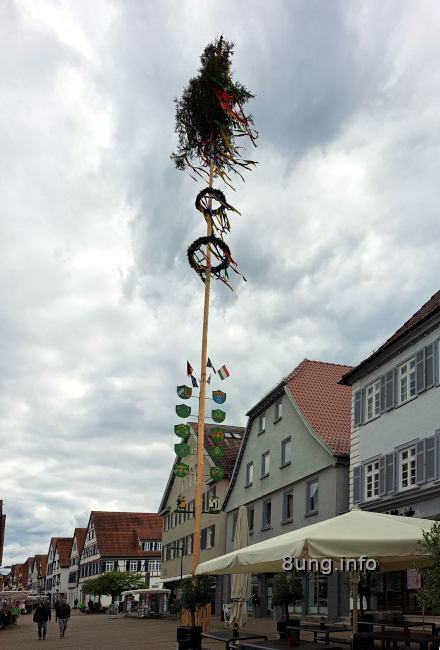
390	540
240	582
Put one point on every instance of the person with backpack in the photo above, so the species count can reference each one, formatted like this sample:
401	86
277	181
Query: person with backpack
42	614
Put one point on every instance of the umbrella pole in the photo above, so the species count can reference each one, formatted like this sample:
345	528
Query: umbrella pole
354	582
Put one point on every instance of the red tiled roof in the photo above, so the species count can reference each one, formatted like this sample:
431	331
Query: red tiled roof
64	547
428	309
43	564
118	533
80	536
325	403
231	445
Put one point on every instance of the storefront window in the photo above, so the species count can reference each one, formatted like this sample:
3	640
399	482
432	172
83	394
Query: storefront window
317	594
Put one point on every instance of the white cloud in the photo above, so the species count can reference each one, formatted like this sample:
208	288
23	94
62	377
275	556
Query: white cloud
99	310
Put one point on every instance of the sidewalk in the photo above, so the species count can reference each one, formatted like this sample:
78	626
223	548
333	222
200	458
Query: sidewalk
98	632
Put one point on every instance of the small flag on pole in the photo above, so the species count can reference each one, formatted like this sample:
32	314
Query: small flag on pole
209	365
189	370
223	372
194	381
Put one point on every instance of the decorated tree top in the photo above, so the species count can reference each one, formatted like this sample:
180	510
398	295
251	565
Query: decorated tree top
210	117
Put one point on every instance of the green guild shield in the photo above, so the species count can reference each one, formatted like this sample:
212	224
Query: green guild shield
182	410
218	415
217	473
216	453
181	469
182	449
182	430
184	392
217	434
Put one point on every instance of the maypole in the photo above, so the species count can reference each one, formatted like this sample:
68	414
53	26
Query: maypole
209	118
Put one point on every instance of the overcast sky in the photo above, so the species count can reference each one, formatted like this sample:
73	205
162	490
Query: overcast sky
99	310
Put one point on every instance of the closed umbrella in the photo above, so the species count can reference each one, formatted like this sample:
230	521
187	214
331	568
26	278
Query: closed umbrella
240	582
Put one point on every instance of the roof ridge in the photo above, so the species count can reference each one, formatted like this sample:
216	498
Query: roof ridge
305	361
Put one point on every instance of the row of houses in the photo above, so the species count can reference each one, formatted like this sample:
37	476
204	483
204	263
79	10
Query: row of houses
112	541
326	438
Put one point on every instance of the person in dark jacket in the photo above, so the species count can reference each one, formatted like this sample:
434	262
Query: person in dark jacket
90	606
42	614
63	614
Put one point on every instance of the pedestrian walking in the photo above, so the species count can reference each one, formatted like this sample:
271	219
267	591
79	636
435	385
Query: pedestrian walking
63	614
90	606
42	614
75	603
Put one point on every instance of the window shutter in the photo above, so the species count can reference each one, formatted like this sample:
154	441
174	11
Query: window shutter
431	472
357	484
115	566
213	536
420	370
103	566
203	501
382	475
389	472
389	391
429	365
357	421
127	565
395	389
139	565
420	461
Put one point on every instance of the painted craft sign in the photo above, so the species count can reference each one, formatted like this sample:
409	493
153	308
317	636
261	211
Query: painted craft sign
182	449
182	469
182	430
184	392
217	434
183	411
216	452
217	473
218	396
218	415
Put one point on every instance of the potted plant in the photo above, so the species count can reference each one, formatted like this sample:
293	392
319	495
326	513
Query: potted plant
286	590
197	592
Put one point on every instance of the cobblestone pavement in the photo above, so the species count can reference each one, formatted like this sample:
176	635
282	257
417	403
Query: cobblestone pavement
97	632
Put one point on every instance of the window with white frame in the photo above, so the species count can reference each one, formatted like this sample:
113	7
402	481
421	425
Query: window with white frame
249	473
286	452
262	423
154	565
312	497
407	380
265	463
371	471
373	400
267	514
278	411
407	468
287	514
109	566
133	565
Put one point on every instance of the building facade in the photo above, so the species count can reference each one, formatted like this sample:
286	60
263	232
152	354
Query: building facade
292	471
57	571
121	541
74	561
178	527
395	435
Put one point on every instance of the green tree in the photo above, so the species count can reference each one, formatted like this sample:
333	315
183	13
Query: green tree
427	563
197	592
286	589
113	584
